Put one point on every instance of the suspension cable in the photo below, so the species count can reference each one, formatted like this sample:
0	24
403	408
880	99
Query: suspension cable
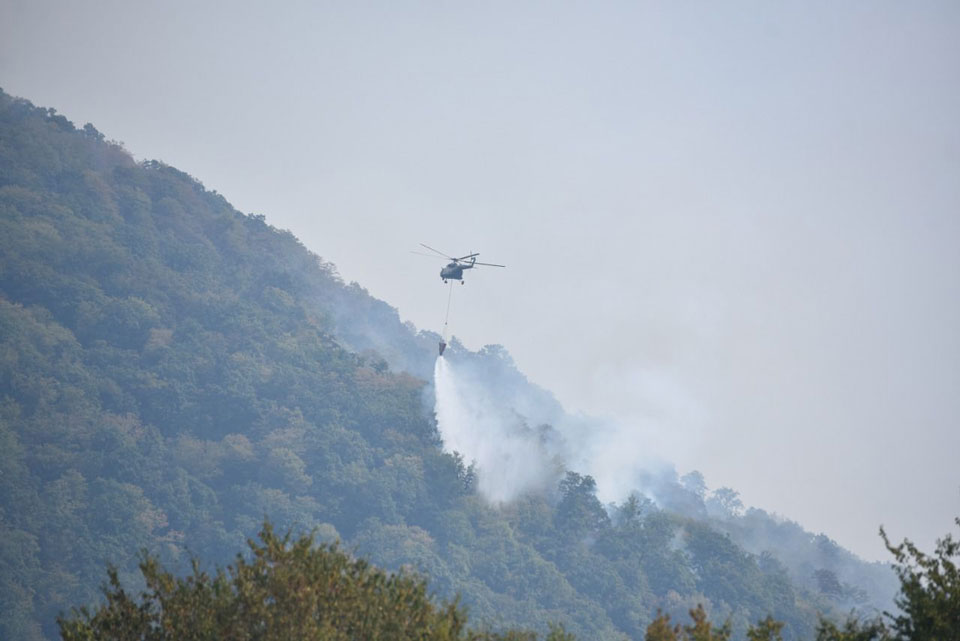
447	317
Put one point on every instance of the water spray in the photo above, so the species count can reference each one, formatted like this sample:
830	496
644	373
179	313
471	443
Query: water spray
473	419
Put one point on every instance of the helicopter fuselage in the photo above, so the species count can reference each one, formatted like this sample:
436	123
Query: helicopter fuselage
454	271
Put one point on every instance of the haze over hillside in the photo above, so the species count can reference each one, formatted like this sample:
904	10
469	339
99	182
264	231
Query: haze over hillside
752	204
172	370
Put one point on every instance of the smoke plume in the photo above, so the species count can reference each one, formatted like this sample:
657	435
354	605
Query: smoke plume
521	440
511	458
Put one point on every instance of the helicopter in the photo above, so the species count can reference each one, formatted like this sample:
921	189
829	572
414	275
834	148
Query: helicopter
454	270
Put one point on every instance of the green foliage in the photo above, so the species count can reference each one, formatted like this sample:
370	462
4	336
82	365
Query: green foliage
700	628
661	630
289	589
703	630
172	370
580	514
929	599
852	630
767	629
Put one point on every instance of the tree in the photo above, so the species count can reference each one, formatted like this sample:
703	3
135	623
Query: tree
700	630
287	590
852	630
634	508
661	630
703	630
827	582
580	513
694	483
929	597
766	630
726	501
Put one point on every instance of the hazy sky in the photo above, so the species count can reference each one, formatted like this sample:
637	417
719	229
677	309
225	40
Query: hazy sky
738	223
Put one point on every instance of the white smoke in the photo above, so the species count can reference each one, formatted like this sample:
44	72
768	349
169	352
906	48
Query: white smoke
618	456
520	439
511	457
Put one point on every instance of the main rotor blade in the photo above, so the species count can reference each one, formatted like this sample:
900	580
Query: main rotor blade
489	264
438	252
467	256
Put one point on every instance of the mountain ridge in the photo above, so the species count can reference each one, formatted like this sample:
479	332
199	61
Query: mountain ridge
173	369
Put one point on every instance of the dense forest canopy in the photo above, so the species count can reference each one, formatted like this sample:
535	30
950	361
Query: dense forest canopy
172	371
298	590
286	590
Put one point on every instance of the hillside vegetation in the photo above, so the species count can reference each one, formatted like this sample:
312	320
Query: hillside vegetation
300	590
172	371
287	590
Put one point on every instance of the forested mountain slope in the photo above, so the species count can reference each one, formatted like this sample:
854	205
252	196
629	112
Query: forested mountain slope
172	371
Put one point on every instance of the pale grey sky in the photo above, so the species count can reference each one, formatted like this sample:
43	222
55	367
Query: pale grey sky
734	226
